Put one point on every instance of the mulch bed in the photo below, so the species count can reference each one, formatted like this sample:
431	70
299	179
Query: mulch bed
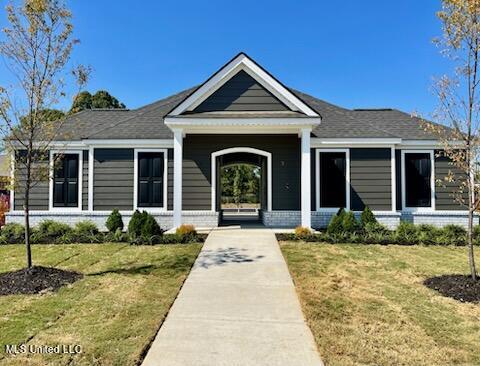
458	287
35	280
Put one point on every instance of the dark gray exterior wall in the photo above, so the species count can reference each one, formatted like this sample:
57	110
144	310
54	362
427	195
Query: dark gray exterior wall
197	150
241	93
113	179
38	194
445	192
370	179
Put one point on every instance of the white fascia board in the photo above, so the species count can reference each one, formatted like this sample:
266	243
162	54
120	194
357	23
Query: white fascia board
428	144
127	143
242	62
179	122
347	142
166	143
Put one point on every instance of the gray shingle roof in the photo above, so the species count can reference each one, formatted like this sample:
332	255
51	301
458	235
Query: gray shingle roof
147	122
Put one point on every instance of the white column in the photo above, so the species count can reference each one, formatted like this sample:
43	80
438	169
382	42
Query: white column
306	183
177	176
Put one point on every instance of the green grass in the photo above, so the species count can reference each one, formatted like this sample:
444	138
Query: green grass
366	304
113	312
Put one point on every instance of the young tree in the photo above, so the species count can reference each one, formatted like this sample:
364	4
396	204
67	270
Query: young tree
36	47
459	105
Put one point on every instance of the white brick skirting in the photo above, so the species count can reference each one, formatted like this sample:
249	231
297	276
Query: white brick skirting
280	219
320	219
165	219
439	218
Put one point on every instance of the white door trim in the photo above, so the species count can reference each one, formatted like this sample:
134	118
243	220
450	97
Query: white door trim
244	150
165	179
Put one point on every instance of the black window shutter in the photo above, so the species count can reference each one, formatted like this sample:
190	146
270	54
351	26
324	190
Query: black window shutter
65	189
150	179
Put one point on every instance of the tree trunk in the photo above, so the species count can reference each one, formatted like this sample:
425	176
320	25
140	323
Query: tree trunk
471	212
26	210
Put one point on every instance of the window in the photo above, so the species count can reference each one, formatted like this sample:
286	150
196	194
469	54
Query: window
65	181
332	176
150	179
418	177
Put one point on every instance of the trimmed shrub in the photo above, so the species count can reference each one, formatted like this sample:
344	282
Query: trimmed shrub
367	217
302	232
349	223
135	224
336	223
13	233
150	227
114	221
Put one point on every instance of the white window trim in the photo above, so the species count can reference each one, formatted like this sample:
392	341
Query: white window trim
244	150
165	180
432	182
51	207
317	179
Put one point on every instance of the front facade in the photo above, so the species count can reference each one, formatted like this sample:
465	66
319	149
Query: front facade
314	158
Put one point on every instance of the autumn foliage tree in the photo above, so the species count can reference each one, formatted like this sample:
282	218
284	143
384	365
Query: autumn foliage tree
458	95
36	46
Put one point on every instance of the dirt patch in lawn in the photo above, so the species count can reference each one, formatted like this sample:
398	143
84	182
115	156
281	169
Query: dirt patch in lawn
459	287
35	280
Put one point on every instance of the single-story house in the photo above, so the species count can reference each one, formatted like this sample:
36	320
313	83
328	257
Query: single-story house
315	157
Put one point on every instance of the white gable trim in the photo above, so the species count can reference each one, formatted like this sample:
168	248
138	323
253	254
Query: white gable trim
243	62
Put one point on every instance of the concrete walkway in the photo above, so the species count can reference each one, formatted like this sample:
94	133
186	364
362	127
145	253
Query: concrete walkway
238	306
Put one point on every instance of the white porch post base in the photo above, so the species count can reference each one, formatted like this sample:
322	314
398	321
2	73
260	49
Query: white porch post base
306	182
177	177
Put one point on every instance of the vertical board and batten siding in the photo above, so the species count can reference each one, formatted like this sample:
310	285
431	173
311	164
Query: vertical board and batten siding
370	179
241	93
445	192
197	152
39	193
113	179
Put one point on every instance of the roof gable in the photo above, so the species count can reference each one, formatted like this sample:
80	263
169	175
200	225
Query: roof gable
241	93
243	66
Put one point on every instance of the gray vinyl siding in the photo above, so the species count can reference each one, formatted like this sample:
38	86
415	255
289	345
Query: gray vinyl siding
197	152
85	181
445	192
370	179
113	179
241	93
38	193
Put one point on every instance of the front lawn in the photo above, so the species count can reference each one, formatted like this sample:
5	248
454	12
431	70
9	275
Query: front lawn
112	313
366	304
